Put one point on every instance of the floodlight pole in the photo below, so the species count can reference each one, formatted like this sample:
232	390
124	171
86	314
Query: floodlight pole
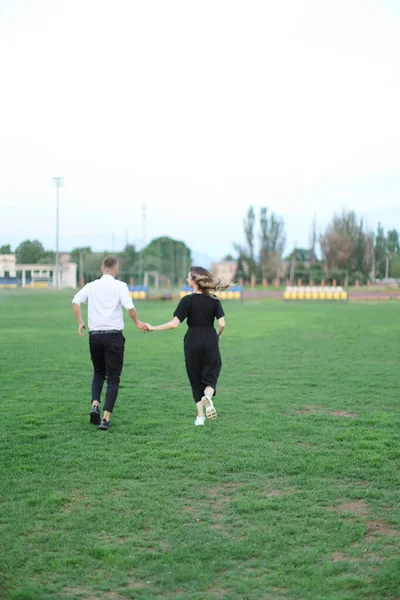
57	182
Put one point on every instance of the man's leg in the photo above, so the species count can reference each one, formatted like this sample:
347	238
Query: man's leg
99	375
114	360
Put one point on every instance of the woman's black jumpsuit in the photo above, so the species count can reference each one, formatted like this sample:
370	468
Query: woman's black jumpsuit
203	360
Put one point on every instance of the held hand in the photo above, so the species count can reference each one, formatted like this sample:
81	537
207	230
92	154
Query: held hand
81	327
142	326
149	327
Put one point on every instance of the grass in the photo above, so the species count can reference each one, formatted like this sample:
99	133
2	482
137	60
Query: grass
292	493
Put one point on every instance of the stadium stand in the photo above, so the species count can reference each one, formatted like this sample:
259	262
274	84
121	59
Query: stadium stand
139	292
232	293
315	293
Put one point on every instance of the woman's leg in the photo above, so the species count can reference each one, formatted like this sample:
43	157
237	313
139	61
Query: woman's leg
209	391
200	409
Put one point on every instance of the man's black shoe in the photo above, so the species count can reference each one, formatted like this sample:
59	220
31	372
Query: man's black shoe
95	415
105	424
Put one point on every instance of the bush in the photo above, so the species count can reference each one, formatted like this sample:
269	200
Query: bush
338	275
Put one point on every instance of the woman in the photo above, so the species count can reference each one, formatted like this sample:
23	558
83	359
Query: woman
202	357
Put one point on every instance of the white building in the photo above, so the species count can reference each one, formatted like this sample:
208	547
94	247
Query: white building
13	274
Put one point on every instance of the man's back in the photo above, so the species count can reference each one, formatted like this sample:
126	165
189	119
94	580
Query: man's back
106	297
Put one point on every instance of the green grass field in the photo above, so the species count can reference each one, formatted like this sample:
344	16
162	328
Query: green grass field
292	493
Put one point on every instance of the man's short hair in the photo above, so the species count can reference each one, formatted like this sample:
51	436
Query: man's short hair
110	262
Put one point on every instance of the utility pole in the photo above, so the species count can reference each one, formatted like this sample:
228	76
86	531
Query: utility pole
141	260
144	222
57	183
81	276
292	266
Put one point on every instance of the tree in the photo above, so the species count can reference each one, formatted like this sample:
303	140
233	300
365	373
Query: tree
48	258
169	257
78	256
393	242
313	241
299	260
248	223
393	251
380	252
242	270
337	243
6	249
29	252
127	260
272	242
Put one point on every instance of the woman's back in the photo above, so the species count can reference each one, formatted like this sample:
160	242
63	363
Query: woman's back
199	309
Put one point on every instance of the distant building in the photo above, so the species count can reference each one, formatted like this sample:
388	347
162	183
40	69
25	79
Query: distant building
226	269
13	274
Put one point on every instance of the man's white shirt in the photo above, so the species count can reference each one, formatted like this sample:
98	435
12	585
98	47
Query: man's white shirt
105	297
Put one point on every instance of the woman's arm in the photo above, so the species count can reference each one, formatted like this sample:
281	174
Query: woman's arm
221	326
170	325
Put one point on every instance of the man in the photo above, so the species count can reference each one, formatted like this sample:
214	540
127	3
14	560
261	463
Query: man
106	297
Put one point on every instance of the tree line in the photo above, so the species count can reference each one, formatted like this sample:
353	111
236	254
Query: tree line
346	251
350	252
167	257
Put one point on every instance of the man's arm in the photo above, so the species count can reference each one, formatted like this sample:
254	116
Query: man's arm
81	324
127	303
139	324
78	299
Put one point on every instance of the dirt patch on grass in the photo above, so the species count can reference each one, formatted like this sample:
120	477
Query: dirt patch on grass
379	527
220	496
220	488
277	594
367	558
75	501
358	508
85	594
343	413
338	557
162	547
220	527
124	539
310	446
219	592
192	510
309	410
118	492
276	493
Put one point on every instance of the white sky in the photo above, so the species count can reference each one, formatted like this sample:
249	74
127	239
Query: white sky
197	109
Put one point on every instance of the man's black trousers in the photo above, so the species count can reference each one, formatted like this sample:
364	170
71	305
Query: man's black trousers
107	354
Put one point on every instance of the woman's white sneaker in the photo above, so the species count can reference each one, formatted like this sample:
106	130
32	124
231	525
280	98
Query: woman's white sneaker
199	421
211	413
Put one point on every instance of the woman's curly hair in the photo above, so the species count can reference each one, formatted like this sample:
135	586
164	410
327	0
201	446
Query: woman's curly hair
206	282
